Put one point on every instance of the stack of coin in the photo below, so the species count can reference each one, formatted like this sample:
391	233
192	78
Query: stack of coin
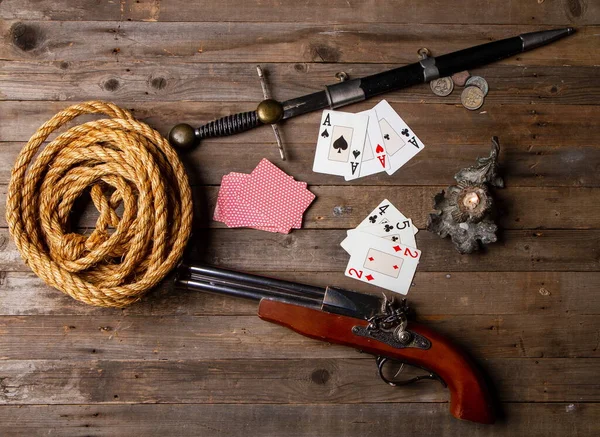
476	88
472	97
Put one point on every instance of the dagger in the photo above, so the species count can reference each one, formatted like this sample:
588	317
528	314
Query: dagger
271	111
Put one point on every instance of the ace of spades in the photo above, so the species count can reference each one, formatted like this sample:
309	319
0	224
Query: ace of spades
339	152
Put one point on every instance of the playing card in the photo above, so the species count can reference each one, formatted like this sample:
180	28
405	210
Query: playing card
374	157
275	196
233	213
384	212
401	143
382	262
267	199
398	232
340	144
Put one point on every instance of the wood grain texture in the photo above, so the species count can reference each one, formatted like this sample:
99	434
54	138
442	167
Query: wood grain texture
426	419
188	364
344	207
113	41
293	381
542	145
457	293
136	80
576	12
247	337
251	250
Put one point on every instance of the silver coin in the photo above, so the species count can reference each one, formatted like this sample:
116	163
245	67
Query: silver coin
442	86
479	82
472	98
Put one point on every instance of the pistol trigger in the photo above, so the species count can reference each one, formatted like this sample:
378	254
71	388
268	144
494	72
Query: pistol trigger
398	383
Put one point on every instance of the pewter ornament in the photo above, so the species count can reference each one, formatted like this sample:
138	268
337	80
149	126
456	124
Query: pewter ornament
479	82
442	86
472	98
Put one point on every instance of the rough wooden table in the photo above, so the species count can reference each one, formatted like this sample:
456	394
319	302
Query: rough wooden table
186	364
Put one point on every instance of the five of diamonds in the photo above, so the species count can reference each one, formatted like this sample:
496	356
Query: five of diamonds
473	94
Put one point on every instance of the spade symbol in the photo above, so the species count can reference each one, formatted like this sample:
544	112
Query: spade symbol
386	136
355	153
325	134
340	144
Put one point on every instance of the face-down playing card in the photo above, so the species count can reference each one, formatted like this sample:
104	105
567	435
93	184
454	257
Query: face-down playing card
340	144
400	142
383	263
234	213
267	199
278	199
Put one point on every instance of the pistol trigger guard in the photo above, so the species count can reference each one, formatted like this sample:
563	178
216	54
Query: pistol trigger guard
381	362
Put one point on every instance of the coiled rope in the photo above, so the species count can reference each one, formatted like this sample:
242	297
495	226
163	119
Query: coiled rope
121	161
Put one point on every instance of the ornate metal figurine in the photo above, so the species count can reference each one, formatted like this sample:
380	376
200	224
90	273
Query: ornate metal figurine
465	210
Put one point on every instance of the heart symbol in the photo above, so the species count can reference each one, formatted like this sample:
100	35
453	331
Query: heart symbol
355	153
378	149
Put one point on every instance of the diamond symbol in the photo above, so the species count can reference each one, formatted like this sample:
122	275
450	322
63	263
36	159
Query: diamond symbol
371	258
397	248
369	277
395	267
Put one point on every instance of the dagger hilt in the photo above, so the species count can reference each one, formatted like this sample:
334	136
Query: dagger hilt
184	136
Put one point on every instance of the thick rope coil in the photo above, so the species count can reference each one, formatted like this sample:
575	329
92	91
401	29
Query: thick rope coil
121	161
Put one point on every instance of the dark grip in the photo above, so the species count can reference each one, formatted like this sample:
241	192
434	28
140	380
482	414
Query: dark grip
232	124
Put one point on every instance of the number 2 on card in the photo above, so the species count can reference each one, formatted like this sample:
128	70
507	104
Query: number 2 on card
407	252
357	273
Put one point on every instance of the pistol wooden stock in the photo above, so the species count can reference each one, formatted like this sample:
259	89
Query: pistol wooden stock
469	397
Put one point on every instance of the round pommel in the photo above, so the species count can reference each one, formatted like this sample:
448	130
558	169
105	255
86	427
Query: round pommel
183	136
269	111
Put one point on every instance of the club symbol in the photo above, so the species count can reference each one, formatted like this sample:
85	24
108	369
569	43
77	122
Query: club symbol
373	218
386	136
355	153
388	228
340	144
404	132
325	134
394	238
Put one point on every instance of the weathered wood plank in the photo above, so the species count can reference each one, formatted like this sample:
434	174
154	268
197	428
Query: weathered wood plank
535	166
543	145
297	381
151	80
437	125
335	11
319	250
272	42
364	420
460	293
340	207
248	337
